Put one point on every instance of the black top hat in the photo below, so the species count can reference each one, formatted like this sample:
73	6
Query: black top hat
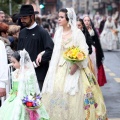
27	10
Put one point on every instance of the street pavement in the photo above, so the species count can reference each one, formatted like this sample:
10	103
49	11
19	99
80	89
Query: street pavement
111	90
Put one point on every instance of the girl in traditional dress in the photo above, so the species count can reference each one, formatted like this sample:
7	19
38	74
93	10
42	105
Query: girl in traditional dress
70	91
24	82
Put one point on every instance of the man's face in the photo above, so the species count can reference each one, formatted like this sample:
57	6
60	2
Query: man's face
2	17
26	21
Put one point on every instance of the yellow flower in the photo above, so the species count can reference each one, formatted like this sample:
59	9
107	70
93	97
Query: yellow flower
74	54
80	56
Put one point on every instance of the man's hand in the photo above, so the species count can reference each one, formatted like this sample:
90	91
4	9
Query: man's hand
39	57
2	92
38	60
73	69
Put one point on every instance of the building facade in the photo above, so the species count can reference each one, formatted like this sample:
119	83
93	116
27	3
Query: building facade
50	6
91	6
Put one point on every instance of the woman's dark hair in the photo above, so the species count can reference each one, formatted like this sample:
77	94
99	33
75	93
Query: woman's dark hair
81	20
16	55
97	44
46	25
64	10
87	36
15	17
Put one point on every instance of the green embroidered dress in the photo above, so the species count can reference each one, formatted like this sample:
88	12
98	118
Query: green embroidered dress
8	109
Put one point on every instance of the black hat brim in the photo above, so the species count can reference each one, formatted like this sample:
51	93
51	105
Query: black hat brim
23	15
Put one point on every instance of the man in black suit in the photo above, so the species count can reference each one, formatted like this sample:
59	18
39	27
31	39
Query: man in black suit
34	39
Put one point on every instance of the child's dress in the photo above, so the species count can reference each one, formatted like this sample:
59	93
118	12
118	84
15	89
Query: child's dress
8	109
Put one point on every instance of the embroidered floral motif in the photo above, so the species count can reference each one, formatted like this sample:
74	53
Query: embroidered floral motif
88	115
91	79
101	117
89	99
59	101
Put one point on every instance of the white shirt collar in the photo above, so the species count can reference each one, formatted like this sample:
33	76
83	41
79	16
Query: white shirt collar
33	26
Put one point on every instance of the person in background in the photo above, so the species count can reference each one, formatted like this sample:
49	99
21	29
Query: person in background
102	23
97	55
38	20
13	32
4	37
109	35
2	16
3	69
15	18
82	27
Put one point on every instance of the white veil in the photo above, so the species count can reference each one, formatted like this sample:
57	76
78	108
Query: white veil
72	18
79	40
26	87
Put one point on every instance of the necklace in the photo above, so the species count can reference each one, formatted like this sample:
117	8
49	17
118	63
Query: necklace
64	34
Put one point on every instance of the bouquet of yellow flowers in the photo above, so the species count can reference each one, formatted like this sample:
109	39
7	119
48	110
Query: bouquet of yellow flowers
74	54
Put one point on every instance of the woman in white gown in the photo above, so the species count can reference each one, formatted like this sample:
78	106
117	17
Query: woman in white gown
109	37
70	91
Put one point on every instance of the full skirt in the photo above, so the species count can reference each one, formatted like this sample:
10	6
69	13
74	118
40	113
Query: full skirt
86	104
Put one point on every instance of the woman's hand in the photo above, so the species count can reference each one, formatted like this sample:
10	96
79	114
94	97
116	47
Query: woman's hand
73	69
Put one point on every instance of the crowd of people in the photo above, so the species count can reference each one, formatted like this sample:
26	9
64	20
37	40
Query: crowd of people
108	30
70	91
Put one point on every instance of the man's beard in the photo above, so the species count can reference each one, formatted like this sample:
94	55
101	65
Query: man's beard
27	24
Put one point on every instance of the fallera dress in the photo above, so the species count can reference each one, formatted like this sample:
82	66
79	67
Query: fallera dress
7	110
86	104
109	39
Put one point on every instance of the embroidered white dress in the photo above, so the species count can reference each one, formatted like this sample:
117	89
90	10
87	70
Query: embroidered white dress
108	38
86	104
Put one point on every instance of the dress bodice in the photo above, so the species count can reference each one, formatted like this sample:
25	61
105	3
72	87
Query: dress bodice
13	92
15	86
15	83
66	44
109	26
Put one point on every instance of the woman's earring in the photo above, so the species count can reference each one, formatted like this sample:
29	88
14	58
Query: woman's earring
68	25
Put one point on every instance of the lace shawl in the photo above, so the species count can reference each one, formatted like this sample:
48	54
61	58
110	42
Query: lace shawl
78	40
